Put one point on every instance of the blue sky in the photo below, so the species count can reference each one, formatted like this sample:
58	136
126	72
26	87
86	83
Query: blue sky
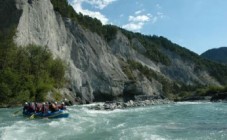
198	25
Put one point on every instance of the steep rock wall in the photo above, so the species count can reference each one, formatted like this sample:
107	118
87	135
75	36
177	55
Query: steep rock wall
94	68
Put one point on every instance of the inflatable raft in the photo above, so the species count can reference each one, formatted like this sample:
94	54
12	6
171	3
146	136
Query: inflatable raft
49	114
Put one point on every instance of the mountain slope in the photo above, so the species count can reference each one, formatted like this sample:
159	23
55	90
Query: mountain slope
105	62
217	55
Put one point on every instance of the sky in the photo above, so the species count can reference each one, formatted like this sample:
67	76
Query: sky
198	25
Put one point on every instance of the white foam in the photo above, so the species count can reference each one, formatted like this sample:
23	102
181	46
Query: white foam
186	103
119	126
17	131
54	124
103	111
140	132
93	104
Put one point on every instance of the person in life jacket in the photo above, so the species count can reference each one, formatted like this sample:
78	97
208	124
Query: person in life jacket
44	110
62	106
53	107
38	107
26	107
31	107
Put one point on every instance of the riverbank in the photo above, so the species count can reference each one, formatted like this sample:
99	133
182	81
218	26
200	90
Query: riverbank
10	105
111	105
140	101
129	104
217	97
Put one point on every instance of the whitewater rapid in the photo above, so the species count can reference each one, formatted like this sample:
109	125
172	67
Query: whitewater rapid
183	121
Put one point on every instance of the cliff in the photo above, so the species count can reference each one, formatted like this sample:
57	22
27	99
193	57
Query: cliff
101	69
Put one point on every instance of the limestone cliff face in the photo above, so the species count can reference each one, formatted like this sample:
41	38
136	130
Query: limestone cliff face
94	69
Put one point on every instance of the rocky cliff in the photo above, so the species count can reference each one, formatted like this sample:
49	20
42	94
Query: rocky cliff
99	70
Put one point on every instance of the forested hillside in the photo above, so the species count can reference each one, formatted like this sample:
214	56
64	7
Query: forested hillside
217	55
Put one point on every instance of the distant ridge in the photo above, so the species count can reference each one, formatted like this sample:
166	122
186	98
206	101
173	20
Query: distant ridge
216	54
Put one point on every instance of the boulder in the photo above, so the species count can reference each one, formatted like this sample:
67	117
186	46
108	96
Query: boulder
219	97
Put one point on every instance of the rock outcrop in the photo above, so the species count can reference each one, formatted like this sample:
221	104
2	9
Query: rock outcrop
129	104
219	97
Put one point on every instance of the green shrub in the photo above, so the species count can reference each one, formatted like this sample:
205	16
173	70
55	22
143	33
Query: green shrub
57	96
108	32
28	73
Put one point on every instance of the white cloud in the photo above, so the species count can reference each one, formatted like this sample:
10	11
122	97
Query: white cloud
133	26
140	18
139	12
100	4
137	22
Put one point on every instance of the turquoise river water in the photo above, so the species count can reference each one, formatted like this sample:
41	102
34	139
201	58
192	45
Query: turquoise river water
178	121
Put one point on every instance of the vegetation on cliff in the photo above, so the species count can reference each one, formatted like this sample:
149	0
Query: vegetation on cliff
27	73
93	24
151	74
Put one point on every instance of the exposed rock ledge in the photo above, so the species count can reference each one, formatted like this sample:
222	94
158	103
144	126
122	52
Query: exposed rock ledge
131	103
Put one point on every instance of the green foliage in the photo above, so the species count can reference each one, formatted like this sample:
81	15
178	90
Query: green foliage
27	73
57	70
30	75
210	90
152	48
57	96
109	32
93	24
168	86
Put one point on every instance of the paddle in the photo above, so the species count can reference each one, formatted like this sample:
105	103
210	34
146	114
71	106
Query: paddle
32	116
16	112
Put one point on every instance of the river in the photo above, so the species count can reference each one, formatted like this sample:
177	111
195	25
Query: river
178	121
